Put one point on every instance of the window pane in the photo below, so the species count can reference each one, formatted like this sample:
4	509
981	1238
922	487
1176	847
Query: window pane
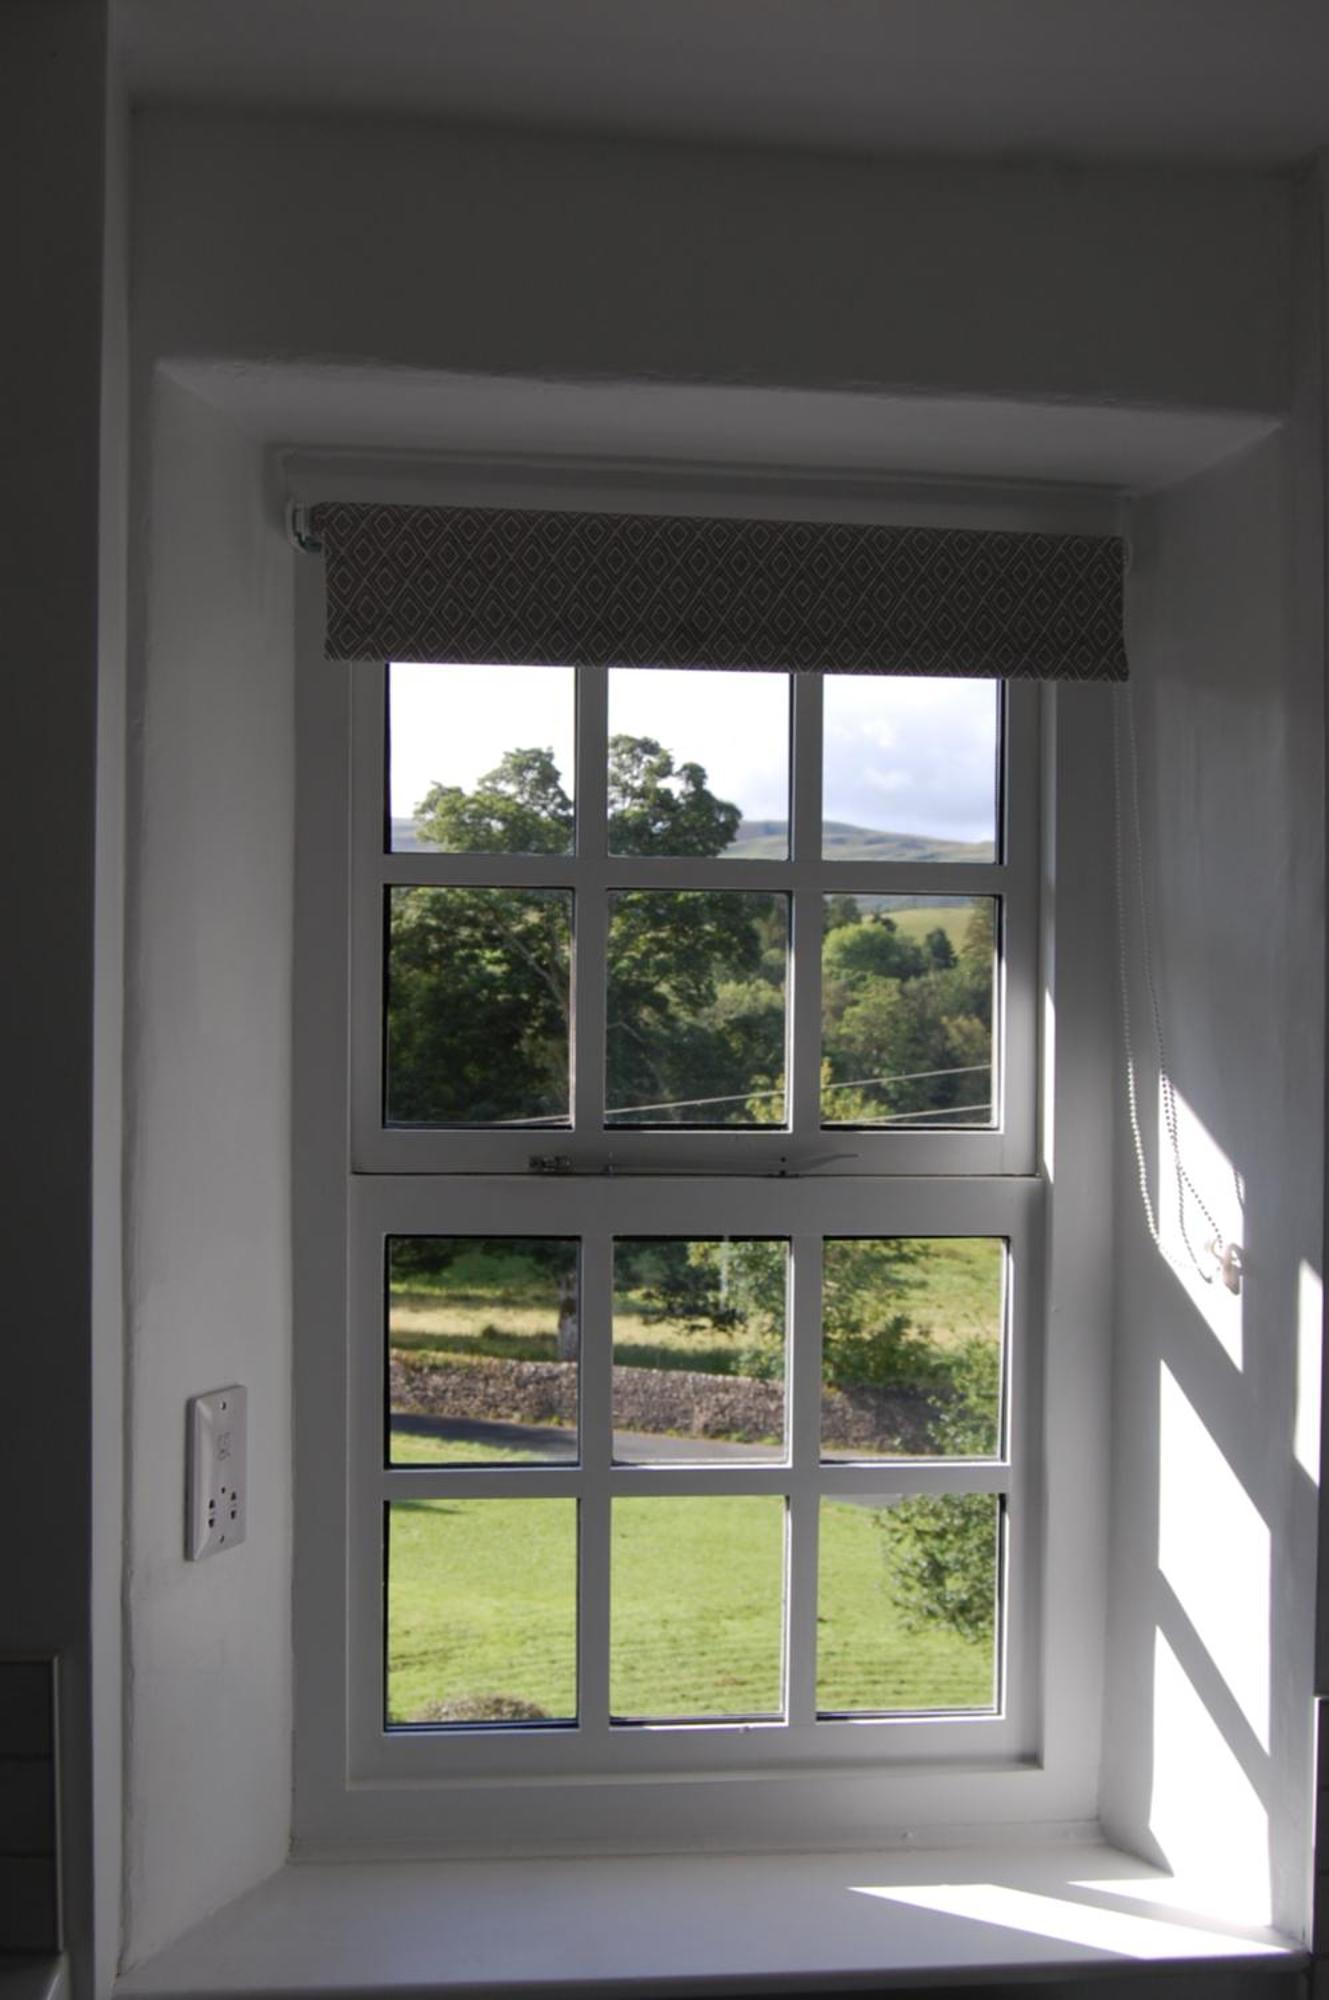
699	1350
482	1350
696	1607
478	1006
907	1603
482	1611
696	1021
912	1340
910	769
698	763
906	1011
481	758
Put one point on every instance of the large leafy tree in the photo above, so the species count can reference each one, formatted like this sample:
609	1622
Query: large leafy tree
479	979
659	807
518	808
695	1001
478	999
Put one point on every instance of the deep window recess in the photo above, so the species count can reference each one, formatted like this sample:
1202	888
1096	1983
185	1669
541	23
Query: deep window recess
693	1217
688	1076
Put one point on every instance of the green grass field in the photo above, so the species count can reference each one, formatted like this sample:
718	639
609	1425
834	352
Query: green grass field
488	1304
482	1603
768	839
915	921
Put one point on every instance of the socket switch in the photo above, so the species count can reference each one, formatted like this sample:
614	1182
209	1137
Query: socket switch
215	1516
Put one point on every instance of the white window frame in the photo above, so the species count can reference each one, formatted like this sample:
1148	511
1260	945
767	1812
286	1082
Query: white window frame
361	1788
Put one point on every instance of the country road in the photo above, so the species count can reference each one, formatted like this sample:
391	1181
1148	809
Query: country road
630	1447
634	1447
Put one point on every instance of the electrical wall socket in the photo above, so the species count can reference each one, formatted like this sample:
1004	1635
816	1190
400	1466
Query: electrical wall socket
217	1487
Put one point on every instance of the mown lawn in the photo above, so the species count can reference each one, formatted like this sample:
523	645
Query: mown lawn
482	1603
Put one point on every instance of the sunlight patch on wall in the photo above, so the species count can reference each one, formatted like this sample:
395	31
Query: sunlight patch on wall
1186	1230
1204	1812
1310	1347
1216	1552
1121	1933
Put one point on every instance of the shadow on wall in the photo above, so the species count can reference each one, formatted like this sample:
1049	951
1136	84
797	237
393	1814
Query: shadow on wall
1209	1745
1221	1769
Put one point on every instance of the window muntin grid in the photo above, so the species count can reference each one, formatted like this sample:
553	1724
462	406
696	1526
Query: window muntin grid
570	1193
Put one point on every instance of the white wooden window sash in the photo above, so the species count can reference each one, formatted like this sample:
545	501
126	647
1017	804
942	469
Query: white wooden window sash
587	1146
805	1184
806	1213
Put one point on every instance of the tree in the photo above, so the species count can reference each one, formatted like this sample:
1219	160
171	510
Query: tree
941	1556
871	950
520	807
978	950
868	1336
941	1549
939	949
478	989
732	1286
840	910
477	1015
693	1011
657	807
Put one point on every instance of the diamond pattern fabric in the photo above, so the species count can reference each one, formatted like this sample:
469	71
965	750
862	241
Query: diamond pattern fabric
524	588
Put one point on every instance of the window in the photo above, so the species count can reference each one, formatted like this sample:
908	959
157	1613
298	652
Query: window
691	1221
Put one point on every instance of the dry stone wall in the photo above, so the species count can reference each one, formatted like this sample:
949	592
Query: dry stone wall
654	1400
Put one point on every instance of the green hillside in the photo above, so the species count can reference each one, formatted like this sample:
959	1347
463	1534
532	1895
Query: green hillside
768	840
762	839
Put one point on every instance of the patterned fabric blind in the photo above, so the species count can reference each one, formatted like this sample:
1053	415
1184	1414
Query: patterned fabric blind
529	588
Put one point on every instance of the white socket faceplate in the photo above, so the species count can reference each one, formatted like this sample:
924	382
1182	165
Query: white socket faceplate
216	1472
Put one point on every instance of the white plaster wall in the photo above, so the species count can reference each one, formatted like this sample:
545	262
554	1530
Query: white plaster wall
1208	1756
208	1256
502	254
265	238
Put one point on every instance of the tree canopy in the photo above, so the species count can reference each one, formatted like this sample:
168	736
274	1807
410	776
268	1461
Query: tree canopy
479	1015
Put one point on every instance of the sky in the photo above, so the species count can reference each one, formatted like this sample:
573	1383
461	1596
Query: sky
902	755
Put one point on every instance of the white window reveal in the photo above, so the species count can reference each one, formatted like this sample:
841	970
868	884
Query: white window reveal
693	1215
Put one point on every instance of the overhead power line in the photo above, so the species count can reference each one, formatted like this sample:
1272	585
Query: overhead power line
743	1096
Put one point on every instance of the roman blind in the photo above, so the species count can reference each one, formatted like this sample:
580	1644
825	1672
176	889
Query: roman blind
539	587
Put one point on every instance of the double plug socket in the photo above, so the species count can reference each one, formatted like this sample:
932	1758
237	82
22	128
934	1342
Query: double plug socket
215	1472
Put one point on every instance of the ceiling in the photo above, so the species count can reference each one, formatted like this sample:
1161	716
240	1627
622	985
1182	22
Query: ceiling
1239	82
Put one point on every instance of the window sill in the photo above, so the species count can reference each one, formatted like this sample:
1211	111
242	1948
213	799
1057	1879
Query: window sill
694	1925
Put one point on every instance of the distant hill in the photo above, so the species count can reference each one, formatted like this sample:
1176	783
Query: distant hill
759	839
768	839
